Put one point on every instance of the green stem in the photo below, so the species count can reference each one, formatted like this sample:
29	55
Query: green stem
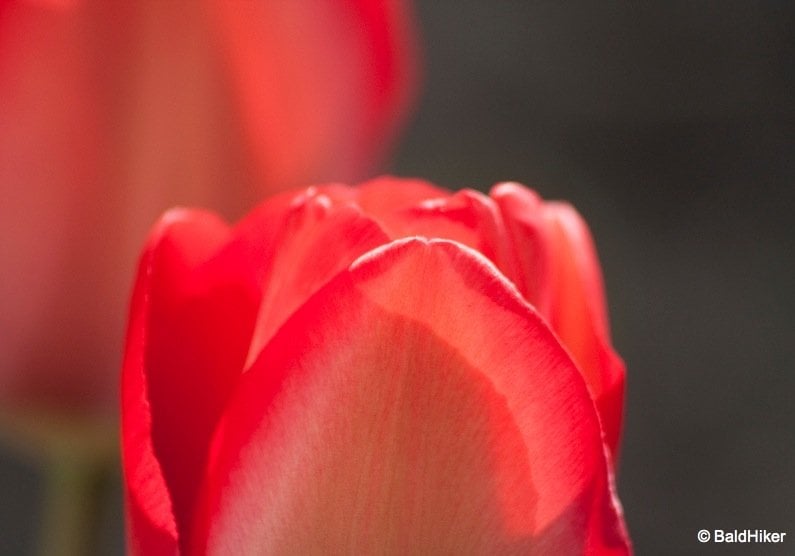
79	456
73	499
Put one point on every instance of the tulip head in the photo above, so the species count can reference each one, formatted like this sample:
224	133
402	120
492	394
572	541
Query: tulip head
389	368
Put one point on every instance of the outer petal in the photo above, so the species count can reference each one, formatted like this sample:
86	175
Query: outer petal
181	363
207	296
345	73
559	273
579	315
383	418
152	526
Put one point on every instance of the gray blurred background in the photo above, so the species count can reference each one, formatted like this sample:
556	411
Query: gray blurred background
671	126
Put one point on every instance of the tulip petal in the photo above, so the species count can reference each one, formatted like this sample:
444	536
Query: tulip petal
384	195
580	316
508	227
528	242
406	209
273	260
152	525
468	217
316	240
384	418
380	197
559	273
180	365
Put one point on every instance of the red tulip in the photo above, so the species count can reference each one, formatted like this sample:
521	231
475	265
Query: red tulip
111	112
388	369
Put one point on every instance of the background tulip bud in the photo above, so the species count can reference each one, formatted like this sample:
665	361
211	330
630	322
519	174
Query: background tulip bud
112	112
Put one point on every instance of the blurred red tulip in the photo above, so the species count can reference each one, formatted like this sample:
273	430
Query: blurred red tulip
388	369
111	112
